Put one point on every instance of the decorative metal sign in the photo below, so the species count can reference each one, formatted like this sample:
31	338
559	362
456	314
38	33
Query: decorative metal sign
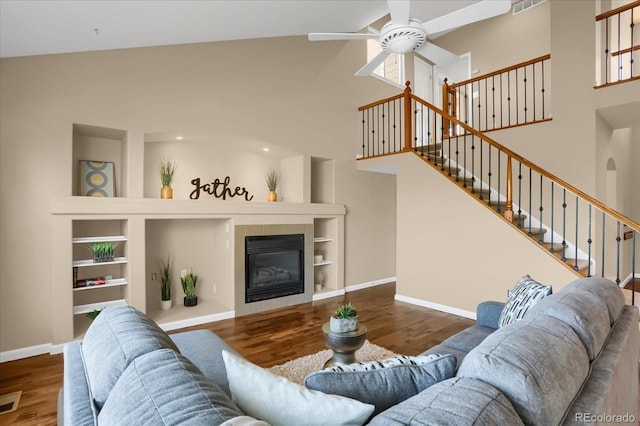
219	189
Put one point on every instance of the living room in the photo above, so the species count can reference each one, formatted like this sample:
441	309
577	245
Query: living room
246	95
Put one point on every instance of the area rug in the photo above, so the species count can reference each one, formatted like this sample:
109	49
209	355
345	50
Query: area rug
297	369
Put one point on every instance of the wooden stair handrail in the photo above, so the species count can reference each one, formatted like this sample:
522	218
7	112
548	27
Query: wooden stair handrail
511	154
617	10
380	102
501	71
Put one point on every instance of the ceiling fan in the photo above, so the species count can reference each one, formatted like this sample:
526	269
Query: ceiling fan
403	34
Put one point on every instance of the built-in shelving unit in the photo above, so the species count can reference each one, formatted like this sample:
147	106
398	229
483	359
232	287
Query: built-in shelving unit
195	234
113	292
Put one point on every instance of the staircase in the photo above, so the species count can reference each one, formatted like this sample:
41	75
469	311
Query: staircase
433	155
578	231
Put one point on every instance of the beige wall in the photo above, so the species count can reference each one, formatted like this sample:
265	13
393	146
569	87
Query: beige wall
453	250
288	92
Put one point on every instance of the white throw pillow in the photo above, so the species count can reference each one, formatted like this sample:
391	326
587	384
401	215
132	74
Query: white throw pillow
278	401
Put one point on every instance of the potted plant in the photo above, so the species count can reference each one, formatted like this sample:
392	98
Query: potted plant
165	288
344	319
271	179
189	287
167	170
102	252
318	256
93	314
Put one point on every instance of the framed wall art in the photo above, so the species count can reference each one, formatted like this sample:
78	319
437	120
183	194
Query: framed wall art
97	179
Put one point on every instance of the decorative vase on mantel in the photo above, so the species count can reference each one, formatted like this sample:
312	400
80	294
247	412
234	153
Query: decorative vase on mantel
272	196
166	193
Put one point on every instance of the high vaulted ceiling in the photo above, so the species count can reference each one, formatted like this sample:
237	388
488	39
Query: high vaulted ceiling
37	27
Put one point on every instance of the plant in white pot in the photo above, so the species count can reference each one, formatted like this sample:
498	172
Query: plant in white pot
189	286
344	319
165	288
320	279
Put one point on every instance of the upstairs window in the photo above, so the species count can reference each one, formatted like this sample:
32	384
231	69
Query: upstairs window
392	69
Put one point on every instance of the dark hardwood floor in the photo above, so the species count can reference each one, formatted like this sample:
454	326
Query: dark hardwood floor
266	339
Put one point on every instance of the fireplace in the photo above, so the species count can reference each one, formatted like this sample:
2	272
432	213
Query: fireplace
274	266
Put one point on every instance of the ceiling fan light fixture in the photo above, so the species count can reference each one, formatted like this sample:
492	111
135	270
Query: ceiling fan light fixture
403	39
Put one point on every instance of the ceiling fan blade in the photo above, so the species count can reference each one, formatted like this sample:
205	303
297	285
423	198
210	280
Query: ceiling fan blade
399	10
341	36
373	64
479	11
436	54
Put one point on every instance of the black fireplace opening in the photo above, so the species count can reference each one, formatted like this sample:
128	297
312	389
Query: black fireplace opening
274	266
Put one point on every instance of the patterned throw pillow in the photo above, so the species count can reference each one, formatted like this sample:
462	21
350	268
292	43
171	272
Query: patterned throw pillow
526	293
385	363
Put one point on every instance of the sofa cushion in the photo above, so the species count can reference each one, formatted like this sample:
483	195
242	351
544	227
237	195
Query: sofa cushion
606	290
204	349
115	338
457	401
526	293
468	338
585	313
278	401
383	383
539	363
164	388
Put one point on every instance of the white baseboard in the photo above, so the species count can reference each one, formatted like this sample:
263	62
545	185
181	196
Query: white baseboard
436	306
361	286
328	294
25	352
174	325
626	281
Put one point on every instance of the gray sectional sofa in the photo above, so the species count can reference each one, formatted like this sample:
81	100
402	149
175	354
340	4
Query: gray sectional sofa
573	359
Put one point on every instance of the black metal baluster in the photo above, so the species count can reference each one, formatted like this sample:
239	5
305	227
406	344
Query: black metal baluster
540	235
457	156
530	200
517	99
364	134
575	260
632	46
481	168
486	106
589	241
606	51
564	224
473	162
509	96
383	132
489	174
618	239
533	91
525	93
542	89
520	223
552	250
633	267
493	106
603	244
619	51
501	102
499	187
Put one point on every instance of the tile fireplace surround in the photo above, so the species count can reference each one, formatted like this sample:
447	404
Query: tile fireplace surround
241	231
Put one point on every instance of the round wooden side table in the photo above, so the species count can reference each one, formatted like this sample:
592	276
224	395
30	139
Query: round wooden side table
343	345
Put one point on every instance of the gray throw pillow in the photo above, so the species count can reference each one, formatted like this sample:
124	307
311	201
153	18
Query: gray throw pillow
384	383
525	294
165	388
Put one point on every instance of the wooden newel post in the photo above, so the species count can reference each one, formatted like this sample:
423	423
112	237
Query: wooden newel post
508	211
407	117
445	107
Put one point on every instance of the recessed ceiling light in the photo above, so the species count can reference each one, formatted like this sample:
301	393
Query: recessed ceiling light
265	149
179	138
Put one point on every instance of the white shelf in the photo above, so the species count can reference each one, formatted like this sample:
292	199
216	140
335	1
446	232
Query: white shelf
110	283
322	239
90	262
324	262
105	239
85	309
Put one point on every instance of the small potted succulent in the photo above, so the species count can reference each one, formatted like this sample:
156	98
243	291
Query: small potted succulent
189	282
102	252
165	288
167	170
271	179
344	319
